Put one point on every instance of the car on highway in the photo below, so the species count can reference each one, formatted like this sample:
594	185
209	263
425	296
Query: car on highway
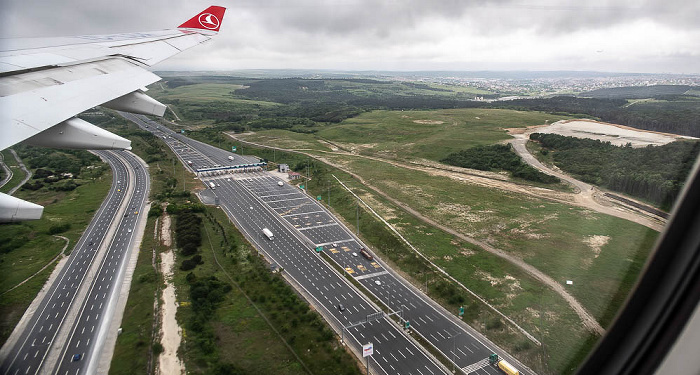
377	282
354	254
366	254
341	307
129	230
280	183
76	357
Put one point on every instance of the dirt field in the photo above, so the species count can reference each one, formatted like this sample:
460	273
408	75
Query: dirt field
617	135
171	333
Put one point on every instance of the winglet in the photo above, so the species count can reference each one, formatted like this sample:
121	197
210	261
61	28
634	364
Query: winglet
209	19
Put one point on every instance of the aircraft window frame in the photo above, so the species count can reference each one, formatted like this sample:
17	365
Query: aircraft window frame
663	300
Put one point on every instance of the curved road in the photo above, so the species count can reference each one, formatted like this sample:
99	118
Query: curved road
587	192
44	330
27	173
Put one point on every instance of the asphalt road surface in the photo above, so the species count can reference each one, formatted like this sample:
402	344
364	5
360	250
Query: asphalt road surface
29	352
464	347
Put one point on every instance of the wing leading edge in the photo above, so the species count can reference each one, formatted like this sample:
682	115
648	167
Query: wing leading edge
46	82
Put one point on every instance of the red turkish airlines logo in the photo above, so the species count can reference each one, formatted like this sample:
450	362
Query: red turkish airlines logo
209	21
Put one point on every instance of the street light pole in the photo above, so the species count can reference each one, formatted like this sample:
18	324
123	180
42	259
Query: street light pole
357	216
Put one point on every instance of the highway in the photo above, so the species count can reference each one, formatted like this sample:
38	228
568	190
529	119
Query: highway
254	201
466	348
317	279
394	352
106	242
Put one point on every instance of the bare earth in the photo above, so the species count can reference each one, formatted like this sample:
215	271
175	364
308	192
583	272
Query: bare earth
171	333
617	135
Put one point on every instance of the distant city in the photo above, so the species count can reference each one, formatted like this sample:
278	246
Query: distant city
517	83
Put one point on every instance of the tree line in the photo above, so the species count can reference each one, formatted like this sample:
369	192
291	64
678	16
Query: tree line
497	158
652	173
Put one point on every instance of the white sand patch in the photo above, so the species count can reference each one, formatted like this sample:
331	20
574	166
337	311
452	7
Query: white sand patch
615	134
511	282
165	231
171	333
596	243
168	361
429	122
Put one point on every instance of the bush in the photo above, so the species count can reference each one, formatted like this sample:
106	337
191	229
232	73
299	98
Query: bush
155	211
190	264
59	228
157	348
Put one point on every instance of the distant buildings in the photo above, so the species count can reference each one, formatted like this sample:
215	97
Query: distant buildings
283	168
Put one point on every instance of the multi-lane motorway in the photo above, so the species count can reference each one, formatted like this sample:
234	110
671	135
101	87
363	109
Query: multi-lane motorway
255	200
318	228
66	332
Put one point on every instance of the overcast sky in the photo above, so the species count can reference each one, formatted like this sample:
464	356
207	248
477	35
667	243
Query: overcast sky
658	36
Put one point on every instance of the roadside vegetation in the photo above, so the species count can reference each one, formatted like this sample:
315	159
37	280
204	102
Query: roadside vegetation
69	205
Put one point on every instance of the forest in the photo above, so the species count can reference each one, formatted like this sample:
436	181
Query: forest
496	158
653	173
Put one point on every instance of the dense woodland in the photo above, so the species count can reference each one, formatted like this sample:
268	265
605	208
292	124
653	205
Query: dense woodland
497	158
652	173
52	166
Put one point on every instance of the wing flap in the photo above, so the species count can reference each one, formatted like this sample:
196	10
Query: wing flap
55	99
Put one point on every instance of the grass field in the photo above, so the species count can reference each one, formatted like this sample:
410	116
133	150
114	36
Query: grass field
429	134
38	247
207	93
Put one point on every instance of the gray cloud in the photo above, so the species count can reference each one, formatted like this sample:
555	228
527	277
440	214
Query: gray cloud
331	33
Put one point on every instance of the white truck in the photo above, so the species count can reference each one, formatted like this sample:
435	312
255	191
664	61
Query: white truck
268	234
212	186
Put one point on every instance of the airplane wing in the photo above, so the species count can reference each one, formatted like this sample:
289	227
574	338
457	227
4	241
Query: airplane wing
46	82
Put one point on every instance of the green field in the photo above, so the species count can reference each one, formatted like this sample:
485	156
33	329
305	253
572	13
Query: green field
204	93
413	134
